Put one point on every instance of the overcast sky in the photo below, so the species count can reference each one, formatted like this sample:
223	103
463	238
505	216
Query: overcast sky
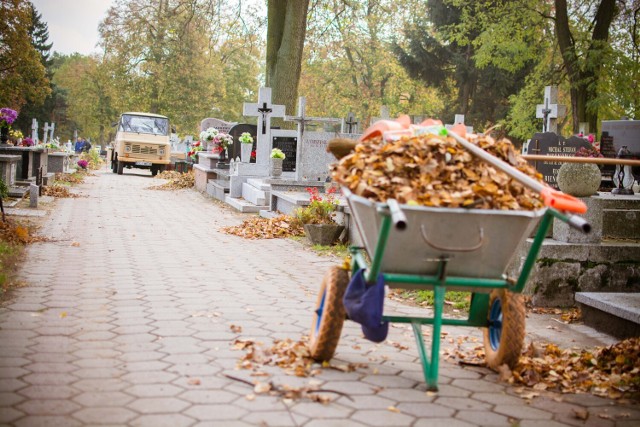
73	24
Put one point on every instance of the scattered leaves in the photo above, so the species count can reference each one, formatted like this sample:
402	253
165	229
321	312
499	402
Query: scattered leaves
59	191
236	329
280	227
177	180
70	178
434	171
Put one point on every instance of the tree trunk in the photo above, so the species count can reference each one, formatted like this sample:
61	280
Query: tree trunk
584	73
287	25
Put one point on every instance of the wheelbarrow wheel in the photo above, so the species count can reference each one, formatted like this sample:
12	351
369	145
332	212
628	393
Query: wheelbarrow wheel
504	337
329	314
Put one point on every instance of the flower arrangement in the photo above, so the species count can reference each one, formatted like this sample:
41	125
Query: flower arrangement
7	117
15	134
83	163
320	210
27	142
209	134
277	153
591	151
246	138
253	154
195	147
221	141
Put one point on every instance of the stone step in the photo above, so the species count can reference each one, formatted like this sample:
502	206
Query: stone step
254	195
617	314
621	223
216	190
243	205
287	202
18	191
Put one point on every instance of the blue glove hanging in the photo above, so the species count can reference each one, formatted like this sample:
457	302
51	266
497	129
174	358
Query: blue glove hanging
364	304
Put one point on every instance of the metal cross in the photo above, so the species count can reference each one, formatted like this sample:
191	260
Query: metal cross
264	110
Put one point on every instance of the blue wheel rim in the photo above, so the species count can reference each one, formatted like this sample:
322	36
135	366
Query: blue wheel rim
320	310
495	323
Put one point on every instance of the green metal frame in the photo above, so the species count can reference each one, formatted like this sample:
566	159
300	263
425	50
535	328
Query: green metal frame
479	307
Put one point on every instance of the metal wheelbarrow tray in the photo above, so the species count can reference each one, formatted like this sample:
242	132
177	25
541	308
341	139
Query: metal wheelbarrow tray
439	249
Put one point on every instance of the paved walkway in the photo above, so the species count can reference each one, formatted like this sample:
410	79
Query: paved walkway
129	317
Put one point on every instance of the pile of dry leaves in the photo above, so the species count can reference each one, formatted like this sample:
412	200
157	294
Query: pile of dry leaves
612	371
176	180
18	233
70	178
436	171
59	191
279	227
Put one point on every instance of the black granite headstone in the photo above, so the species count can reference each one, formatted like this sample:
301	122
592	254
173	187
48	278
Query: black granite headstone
234	150
550	144
289	146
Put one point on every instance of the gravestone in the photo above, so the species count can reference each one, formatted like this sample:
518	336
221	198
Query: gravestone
310	160
550	144
623	132
235	132
9	168
550	111
384	114
219	124
45	135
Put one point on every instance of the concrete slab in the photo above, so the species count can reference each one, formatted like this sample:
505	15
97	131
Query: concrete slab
623	305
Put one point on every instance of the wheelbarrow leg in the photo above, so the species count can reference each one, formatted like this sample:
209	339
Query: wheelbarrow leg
430	364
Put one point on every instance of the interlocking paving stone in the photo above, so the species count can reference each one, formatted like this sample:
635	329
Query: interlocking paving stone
143	337
442	422
384	418
98	415
483	418
522	412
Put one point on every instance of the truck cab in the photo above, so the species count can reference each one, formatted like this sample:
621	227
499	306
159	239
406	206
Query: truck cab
142	141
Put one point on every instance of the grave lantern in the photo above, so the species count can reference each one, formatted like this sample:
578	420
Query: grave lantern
623	175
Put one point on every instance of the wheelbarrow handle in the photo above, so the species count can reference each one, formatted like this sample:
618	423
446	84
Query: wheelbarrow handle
579	223
561	201
398	217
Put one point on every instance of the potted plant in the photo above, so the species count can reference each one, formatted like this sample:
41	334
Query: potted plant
318	218
277	157
581	179
246	145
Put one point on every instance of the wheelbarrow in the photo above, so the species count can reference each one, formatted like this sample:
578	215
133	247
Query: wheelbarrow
440	249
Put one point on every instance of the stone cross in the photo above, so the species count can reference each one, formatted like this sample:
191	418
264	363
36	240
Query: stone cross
350	124
52	127
550	111
302	119
46	132
34	130
459	119
264	110
384	112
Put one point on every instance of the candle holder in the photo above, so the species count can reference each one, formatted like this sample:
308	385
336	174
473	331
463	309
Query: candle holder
623	173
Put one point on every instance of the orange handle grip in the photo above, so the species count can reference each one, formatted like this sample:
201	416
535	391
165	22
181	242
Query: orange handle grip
561	201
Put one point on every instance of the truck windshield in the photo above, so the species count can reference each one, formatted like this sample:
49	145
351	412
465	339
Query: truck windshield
144	124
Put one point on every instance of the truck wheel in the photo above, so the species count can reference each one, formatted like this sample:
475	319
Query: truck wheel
154	170
114	166
329	314
504	337
120	167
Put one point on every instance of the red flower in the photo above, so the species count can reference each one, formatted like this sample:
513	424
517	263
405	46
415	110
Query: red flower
253	154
